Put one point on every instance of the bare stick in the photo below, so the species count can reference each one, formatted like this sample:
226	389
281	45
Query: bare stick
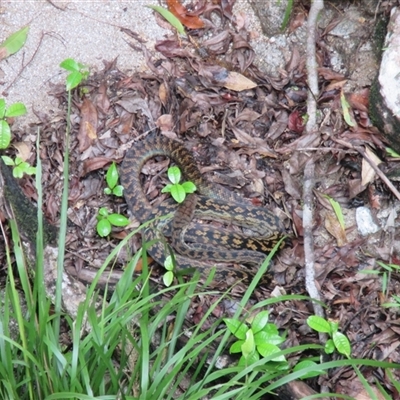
381	175
312	74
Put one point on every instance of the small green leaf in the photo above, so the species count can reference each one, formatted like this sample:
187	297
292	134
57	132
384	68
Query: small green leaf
342	343
268	349
118	220
70	65
346	111
268	337
103	227
15	41
15	110
5	134
338	211
189	187
318	324
370	271
236	327
31	170
18	172
259	321
168	278
167	188
118	191
248	347
103	211
170	18
8	160
73	80
236	347
168	263
174	174
107	190
334	326
178	193
306	364
112	176
329	346
2	108
391	153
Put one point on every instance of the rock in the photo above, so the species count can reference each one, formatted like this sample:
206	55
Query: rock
385	91
271	17
365	222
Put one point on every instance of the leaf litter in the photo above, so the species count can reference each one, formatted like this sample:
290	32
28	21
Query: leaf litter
249	138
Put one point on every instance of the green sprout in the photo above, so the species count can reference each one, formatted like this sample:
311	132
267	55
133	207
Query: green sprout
78	72
20	167
338	340
112	180
106	221
178	190
260	338
14	110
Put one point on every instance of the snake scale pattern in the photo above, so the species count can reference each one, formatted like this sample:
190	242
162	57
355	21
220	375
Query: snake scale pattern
198	245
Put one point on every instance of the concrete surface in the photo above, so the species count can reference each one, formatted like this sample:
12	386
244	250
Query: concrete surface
88	31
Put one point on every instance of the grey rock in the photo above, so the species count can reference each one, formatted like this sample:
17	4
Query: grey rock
385	92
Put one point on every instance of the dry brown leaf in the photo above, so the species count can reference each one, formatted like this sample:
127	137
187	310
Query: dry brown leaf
332	225
24	150
238	82
165	122
355	187
367	172
163	93
95	163
180	12
101	100
88	128
3	53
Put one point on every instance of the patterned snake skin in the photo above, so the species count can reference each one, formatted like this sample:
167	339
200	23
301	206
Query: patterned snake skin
195	242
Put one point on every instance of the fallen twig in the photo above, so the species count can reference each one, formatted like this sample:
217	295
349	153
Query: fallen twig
312	74
311	126
381	175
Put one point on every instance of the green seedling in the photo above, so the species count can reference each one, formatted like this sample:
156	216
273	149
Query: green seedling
168	277
178	190
260	338
106	221
20	167
386	272
338	341
14	110
78	72
112	180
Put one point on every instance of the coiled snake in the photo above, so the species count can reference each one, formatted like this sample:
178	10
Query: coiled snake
195	242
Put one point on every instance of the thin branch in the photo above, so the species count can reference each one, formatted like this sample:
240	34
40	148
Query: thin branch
381	175
312	74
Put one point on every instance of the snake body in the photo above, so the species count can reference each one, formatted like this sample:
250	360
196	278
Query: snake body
197	245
